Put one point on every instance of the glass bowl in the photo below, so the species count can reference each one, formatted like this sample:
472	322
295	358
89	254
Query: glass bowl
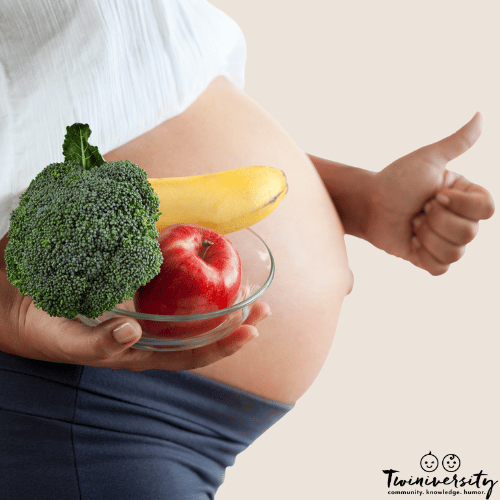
182	332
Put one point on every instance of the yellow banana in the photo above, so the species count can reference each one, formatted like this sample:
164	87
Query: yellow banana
224	201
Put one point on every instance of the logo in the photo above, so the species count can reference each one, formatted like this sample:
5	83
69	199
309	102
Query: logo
444	482
451	463
429	462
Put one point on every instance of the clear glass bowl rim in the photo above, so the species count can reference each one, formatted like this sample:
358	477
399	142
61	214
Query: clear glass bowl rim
211	314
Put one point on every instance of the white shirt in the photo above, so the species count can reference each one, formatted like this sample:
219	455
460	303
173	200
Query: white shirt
122	66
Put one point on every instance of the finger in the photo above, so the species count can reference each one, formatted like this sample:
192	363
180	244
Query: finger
422	258
474	204
196	358
447	224
441	250
259	311
136	359
95	346
458	143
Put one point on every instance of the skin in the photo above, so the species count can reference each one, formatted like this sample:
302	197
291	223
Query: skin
224	129
398	211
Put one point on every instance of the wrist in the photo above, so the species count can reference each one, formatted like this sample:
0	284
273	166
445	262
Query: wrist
351	190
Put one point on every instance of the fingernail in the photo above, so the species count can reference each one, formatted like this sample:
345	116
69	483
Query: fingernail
122	334
427	206
443	199
416	243
253	335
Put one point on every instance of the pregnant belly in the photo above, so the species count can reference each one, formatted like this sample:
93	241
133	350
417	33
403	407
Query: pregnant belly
225	129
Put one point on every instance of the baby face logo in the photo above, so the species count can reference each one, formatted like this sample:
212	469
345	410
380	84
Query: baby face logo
451	463
429	462
443	483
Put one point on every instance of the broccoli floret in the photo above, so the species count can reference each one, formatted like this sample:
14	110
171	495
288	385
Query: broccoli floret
84	239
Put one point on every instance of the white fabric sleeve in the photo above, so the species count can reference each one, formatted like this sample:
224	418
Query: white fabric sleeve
122	66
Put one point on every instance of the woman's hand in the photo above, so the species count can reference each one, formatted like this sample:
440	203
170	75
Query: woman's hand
30	332
424	213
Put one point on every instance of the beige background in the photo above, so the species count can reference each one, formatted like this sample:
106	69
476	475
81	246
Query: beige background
415	362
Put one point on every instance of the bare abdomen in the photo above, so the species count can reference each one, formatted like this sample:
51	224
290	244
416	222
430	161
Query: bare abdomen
225	129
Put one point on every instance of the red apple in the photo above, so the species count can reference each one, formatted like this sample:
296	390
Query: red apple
201	272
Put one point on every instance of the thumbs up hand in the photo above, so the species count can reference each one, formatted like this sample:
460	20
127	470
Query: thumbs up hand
424	213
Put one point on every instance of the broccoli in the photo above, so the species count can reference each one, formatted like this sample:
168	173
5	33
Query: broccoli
83	238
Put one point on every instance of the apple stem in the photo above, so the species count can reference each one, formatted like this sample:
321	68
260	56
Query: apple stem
206	244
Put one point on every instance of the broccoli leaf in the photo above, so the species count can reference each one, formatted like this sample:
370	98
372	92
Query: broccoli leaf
77	149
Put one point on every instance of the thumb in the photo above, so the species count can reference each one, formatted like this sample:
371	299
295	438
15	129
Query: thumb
126	333
106	339
458	143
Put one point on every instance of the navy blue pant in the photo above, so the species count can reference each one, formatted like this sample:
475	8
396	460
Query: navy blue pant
70	432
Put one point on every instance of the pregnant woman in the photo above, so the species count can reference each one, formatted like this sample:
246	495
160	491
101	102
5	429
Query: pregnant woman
83	415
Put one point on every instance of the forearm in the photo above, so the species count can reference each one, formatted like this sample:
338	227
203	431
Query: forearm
349	189
8	301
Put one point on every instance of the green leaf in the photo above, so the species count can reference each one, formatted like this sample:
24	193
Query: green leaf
77	149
